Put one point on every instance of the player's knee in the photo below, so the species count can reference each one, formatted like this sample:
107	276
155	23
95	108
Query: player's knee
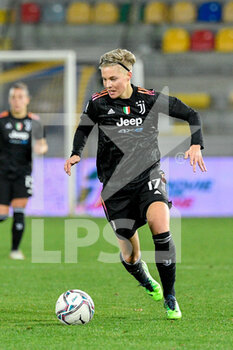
124	233
3	217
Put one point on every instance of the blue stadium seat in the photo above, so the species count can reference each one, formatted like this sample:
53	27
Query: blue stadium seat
210	12
53	13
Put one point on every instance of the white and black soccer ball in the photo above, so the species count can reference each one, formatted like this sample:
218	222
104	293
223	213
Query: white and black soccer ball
74	307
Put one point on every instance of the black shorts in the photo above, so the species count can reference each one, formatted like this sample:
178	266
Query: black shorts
20	187
126	209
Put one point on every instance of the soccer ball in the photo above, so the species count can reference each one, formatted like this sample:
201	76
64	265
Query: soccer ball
74	307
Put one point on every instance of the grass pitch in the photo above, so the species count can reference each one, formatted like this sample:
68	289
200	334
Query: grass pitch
125	316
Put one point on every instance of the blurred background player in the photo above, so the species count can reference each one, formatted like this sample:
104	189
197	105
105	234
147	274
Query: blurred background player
18	128
128	165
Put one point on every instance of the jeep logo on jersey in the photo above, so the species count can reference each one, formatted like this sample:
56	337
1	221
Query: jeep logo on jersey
19	135
141	105
127	122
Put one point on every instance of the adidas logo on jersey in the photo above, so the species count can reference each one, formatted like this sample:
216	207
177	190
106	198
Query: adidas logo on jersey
8	126
111	111
157	192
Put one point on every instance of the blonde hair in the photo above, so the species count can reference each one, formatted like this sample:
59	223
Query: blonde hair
118	56
20	86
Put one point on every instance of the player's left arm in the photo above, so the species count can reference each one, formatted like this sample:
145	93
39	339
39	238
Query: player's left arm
180	110
40	146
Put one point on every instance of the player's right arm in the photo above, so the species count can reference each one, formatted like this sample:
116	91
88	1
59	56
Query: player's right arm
84	128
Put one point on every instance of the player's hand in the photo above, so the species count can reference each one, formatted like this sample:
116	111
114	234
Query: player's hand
40	147
194	153
71	161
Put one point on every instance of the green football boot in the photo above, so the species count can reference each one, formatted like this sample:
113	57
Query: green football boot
152	288
172	308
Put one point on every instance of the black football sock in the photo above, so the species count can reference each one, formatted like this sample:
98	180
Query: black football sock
137	271
165	258
17	227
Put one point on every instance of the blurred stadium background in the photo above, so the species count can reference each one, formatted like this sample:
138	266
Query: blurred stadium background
184	45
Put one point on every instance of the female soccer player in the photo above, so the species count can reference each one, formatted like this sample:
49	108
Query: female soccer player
128	165
17	129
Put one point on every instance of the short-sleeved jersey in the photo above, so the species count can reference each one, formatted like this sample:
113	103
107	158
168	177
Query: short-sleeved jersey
128	131
15	143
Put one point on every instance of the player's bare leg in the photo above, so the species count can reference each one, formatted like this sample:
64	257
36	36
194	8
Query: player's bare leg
4	211
130	248
158	218
18	205
131	260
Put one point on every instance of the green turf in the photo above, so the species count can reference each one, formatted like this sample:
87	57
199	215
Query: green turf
125	316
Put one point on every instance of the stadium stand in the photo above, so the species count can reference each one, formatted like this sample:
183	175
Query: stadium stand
176	40
105	13
155	13
4	13
79	13
227	13
183	12
30	12
231	98
6	44
210	11
224	40
202	40
124	12
199	100
53	13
